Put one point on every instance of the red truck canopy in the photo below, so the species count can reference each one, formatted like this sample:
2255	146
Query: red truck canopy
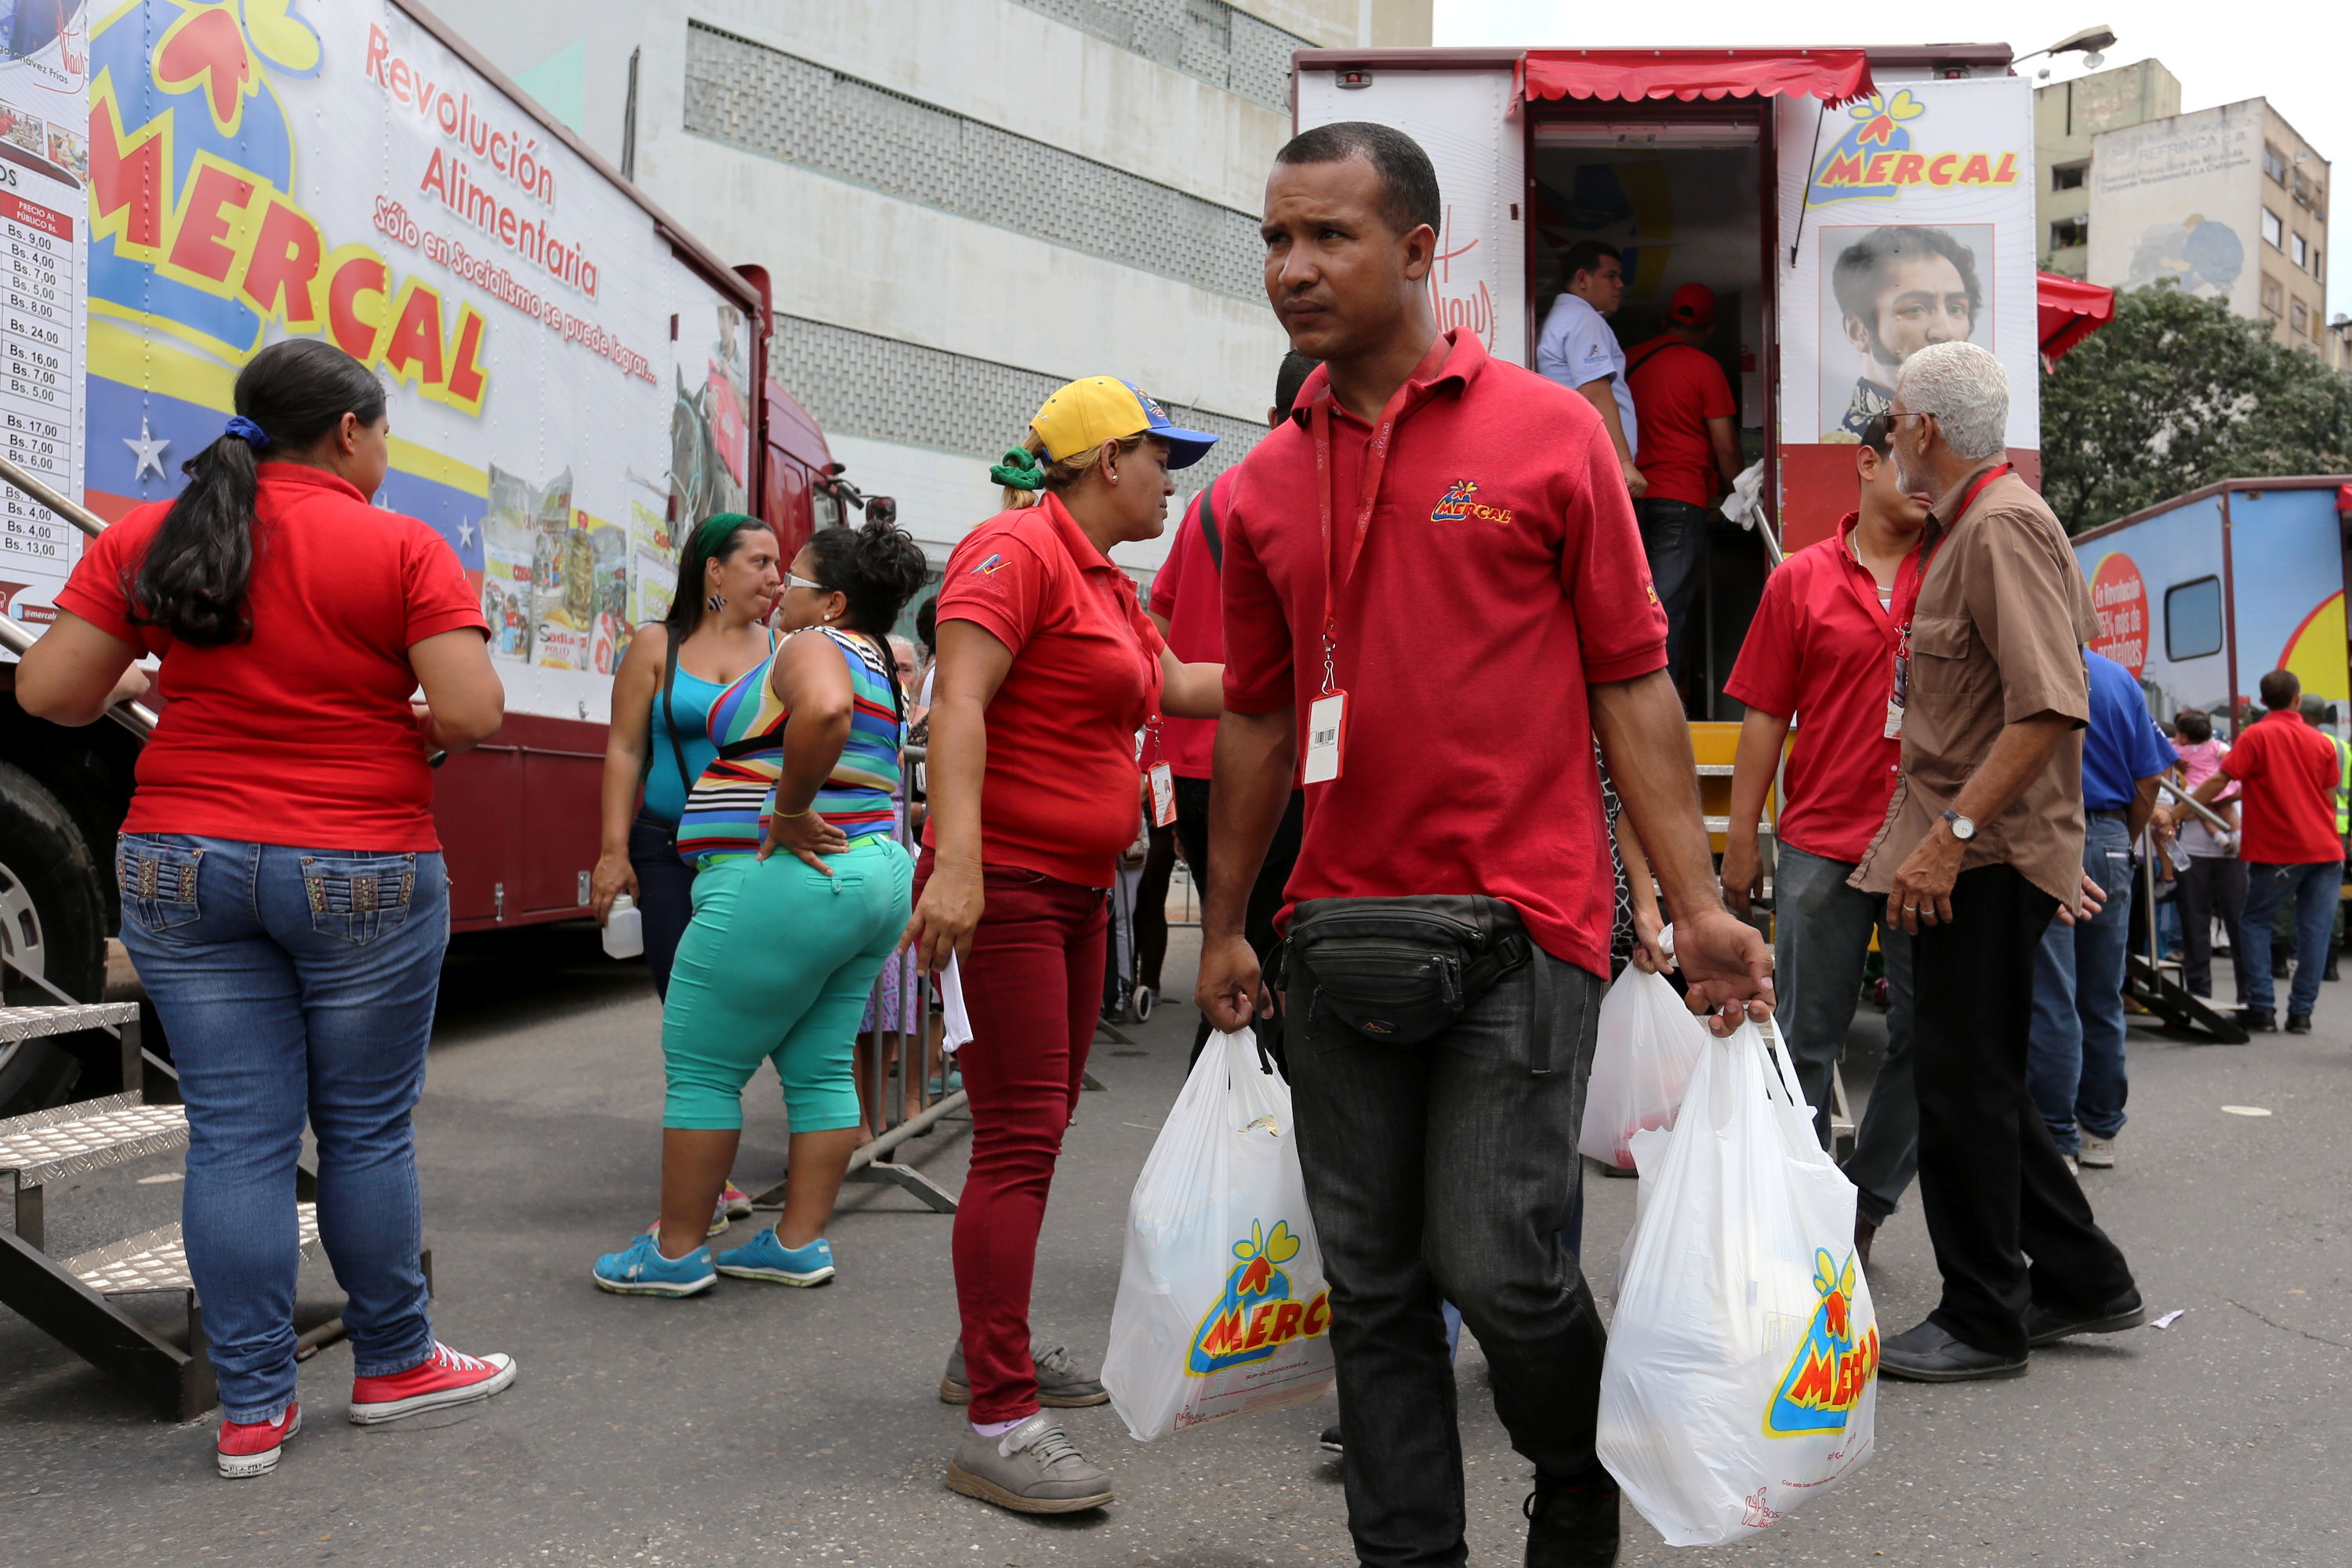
1834	76
2070	311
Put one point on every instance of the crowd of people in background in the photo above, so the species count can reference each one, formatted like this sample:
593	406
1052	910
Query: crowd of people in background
1309	711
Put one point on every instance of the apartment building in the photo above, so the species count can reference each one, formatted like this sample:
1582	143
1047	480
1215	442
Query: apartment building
2066	115
2230	203
961	204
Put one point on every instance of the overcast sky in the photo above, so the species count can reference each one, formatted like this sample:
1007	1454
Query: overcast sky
2290	53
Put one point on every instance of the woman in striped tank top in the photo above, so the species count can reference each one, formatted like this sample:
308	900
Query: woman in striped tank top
800	896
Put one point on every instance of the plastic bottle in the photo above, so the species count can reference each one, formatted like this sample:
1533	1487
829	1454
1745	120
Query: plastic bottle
624	929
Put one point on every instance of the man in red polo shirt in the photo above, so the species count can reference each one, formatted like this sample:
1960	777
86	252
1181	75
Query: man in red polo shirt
1188	606
2289	771
1689	445
1473	505
1820	652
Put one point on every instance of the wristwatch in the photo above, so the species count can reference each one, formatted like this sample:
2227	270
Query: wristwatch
1963	828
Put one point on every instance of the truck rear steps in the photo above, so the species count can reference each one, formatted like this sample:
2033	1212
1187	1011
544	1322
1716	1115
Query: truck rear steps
74	1300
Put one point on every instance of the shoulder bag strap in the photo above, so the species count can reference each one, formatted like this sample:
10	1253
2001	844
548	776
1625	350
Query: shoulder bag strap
1655	354
669	720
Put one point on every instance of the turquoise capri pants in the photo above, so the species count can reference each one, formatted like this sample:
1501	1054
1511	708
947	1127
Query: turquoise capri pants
777	963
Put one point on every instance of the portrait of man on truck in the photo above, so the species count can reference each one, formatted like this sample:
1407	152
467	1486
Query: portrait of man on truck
1895	290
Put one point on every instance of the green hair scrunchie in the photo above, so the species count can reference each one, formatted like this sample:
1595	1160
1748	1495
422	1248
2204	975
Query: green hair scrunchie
717	527
1020	470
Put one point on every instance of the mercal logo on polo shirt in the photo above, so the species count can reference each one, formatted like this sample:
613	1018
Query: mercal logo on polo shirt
990	567
1455	505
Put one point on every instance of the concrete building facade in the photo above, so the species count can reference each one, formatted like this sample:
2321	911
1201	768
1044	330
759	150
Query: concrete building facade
2228	202
961	204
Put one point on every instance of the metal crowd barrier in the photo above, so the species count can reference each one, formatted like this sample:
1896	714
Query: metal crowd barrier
2152	980
135	717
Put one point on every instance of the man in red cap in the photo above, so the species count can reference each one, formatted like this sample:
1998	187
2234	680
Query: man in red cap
1692	444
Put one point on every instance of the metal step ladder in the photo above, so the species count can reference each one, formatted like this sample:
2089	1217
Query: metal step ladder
73	1299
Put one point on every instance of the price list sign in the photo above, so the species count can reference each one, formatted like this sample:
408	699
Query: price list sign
41	388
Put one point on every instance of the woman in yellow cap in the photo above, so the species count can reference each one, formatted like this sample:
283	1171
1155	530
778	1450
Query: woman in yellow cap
1048	670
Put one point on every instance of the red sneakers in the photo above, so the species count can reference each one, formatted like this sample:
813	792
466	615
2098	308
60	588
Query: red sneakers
442	1379
250	1448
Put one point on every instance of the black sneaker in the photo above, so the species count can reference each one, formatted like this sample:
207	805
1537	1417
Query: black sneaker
2298	1023
2329	973
1330	1442
1572	1521
2258	1020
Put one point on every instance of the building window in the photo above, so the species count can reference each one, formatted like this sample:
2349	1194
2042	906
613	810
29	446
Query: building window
2068	177
2070	232
2273	297
2273	231
2317	270
2192	619
1207	39
2274	162
2300	248
2298	317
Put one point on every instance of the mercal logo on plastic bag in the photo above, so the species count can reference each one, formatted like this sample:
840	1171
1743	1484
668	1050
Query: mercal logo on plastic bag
1832	1366
1255	1316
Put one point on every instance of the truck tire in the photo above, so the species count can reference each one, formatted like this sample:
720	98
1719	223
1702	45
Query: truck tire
52	897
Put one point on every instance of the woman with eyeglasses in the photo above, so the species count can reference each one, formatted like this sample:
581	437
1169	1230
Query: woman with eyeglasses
801	894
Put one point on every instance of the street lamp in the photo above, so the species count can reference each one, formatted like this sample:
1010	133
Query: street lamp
2089	42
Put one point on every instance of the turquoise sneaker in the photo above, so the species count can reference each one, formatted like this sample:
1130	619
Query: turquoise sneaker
640	1269
764	1257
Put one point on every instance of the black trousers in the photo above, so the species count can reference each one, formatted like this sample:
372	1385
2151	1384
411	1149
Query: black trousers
1265	898
2212	885
1992	1184
1446	1171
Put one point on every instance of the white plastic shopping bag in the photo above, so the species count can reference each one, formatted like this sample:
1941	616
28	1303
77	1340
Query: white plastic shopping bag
1222	1307
1741	1376
1649	1043
956	1024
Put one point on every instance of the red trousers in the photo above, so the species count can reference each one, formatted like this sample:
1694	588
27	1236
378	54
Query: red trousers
1034	988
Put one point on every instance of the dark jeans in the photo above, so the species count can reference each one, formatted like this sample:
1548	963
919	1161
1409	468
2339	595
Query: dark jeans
664	894
298	986
1821	932
2212	885
1993	1186
2075	1066
1674	537
1265	898
2313	891
1445	1172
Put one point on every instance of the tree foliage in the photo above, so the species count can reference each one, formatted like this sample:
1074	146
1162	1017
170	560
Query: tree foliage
2177	393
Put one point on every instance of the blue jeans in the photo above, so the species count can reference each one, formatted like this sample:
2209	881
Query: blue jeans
1674	540
665	894
2314	888
1820	930
293	983
2074	1051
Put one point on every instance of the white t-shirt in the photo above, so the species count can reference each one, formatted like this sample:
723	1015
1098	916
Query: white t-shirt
1577	347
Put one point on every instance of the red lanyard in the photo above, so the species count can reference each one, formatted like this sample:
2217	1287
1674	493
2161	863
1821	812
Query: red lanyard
1376	458
1912	572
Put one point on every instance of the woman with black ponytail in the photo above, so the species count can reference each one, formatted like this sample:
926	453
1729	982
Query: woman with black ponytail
283	893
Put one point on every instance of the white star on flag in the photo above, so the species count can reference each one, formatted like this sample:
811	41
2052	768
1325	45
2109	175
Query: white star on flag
465	534
148	450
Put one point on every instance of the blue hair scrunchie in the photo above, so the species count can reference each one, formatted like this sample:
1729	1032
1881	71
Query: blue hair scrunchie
247	431
1020	470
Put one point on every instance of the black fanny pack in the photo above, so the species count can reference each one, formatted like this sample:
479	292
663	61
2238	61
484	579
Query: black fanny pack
1402	970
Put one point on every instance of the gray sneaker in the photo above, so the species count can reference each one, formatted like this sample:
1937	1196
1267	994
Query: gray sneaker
2098	1153
1060	1384
1033	1468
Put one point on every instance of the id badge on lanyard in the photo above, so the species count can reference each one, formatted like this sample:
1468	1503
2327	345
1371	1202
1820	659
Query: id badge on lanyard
1163	780
1326	715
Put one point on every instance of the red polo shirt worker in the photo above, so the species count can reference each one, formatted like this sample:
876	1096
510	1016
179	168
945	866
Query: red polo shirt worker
1690	450
1188	606
1047	668
1820	656
1474	506
2290	772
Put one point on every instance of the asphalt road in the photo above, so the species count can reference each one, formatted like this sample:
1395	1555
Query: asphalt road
756	1424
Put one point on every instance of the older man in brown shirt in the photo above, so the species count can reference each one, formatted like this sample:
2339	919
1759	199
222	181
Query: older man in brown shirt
1981	848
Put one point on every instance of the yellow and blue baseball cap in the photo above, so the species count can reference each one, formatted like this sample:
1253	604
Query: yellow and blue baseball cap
1083	415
